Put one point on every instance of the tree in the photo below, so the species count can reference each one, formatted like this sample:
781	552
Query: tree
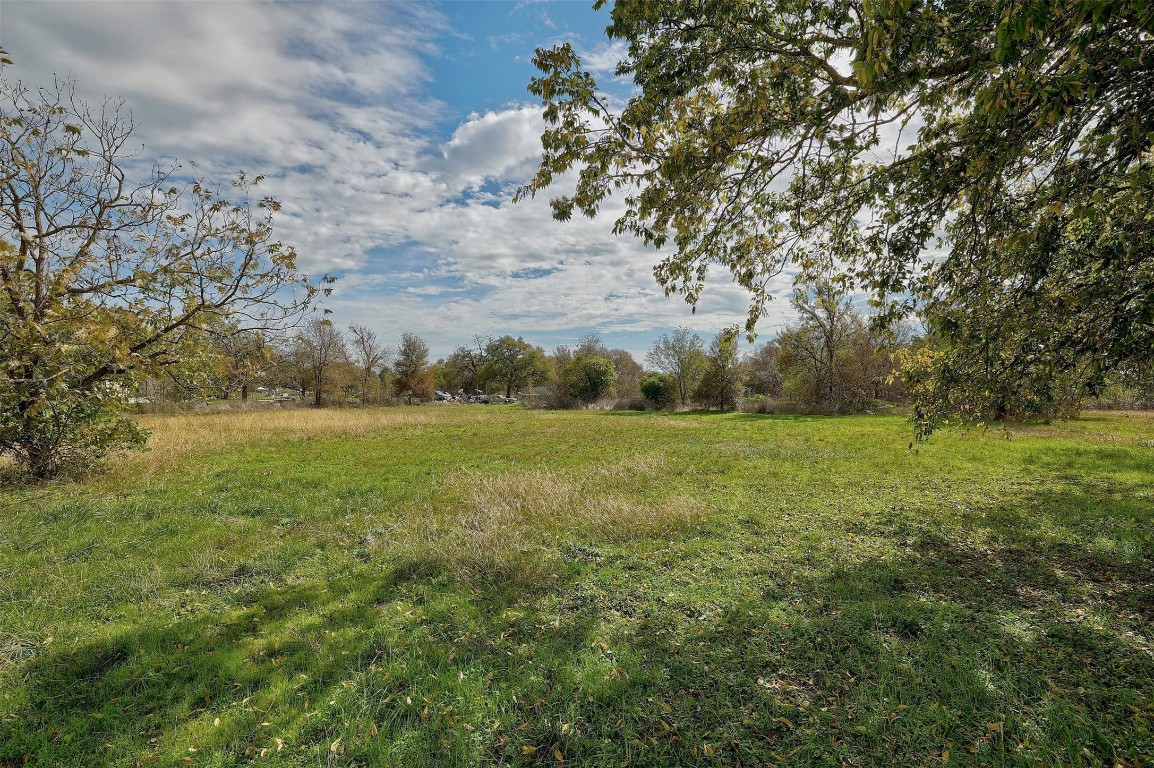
720	385
628	373
816	347
318	349
588	378
413	377
770	134
244	355
370	356
105	281
514	363
763	376
682	356
466	363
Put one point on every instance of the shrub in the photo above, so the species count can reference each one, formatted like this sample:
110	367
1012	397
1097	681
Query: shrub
659	389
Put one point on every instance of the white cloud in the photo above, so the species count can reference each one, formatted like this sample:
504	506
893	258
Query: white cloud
603	58
330	102
500	146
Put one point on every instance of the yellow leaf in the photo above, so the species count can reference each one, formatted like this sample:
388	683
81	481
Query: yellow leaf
994	727
666	708
335	745
527	750
557	754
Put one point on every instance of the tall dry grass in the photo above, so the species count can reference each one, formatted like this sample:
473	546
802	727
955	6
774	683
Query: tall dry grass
175	437
505	526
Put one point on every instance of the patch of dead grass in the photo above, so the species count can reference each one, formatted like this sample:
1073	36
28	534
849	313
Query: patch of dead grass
500	526
175	437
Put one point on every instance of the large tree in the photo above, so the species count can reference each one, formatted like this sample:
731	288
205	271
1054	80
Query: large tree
104	279
370	356
785	134
720	385
587	378
466	362
514	363
243	358
814	351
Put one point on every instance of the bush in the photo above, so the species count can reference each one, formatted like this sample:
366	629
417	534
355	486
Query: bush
659	389
66	435
588	379
757	404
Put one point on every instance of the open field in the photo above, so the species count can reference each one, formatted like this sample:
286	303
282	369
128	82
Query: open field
497	586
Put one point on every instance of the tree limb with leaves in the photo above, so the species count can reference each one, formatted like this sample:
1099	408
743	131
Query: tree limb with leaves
976	160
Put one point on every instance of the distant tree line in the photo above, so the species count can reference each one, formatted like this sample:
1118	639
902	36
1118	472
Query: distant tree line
833	358
830	358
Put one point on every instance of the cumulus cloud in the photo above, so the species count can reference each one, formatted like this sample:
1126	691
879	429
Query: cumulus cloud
603	58
498	146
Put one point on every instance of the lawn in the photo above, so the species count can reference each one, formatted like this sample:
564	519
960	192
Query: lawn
471	586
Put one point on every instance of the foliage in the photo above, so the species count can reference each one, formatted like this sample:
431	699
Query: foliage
66	435
413	379
481	586
762	375
514	363
659	389
587	379
682	356
318	351
104	280
982	385
989	161
720	385
370	357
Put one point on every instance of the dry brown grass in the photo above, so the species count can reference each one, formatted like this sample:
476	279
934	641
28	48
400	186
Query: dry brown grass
496	526
175	437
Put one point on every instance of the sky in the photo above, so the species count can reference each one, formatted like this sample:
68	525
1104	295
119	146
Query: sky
394	134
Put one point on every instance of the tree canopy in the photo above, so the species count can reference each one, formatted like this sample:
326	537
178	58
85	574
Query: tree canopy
513	363
987	162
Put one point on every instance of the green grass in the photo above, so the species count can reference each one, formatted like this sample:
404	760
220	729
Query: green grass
469	586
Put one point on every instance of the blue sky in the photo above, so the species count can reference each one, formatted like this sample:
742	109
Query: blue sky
394	133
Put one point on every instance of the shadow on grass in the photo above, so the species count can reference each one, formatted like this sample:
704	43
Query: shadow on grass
1013	647
282	671
1018	650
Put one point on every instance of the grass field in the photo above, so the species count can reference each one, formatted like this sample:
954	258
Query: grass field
496	586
